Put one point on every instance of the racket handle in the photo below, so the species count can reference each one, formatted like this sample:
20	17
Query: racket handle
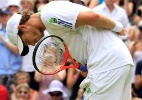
82	68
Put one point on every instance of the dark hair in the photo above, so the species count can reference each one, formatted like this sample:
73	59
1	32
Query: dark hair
37	2
79	2
139	12
121	3
25	17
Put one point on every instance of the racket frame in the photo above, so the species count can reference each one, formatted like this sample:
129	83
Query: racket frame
66	56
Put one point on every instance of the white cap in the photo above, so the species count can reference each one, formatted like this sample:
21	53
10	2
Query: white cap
55	85
12	31
14	3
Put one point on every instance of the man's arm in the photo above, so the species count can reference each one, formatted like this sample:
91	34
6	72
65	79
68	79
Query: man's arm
11	46
92	18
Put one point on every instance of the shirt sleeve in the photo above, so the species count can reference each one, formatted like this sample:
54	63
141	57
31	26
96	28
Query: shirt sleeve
62	13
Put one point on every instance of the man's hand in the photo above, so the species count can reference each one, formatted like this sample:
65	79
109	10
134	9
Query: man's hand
123	32
1	36
84	74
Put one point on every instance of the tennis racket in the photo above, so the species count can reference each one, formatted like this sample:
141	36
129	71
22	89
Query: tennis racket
51	55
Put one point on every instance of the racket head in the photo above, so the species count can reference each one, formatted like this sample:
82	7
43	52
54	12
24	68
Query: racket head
50	55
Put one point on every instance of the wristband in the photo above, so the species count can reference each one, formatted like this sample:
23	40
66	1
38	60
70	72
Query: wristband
118	27
82	68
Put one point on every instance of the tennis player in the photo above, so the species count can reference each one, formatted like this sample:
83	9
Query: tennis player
92	39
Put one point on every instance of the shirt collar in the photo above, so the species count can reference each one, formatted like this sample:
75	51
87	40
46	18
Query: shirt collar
104	6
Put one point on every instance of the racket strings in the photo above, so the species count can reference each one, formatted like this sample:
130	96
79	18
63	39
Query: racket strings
50	56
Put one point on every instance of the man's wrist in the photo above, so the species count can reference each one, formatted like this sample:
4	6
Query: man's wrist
118	27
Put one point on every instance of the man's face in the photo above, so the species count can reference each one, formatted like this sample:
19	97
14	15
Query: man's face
23	94
26	5
109	2
13	9
21	79
4	18
31	35
56	95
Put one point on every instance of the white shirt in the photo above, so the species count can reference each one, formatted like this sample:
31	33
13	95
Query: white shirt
27	64
118	14
100	49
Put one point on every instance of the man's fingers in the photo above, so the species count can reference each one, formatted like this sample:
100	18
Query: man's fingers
84	74
123	32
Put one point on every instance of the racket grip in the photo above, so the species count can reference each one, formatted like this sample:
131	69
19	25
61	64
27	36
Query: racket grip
82	68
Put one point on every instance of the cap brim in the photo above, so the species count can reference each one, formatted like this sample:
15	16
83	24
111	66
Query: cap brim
23	50
5	13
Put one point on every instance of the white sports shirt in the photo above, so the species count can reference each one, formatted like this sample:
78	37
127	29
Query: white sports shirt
100	49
